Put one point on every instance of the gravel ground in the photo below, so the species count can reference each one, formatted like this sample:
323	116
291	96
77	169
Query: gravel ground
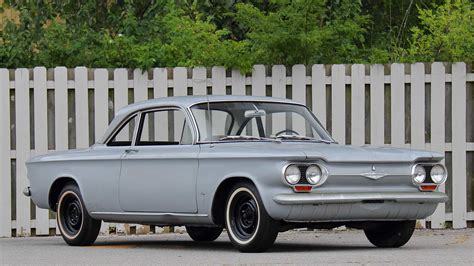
294	247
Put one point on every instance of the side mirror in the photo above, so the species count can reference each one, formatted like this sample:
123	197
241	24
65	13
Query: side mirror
255	113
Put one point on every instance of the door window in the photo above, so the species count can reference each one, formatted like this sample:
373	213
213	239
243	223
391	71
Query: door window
164	127
124	136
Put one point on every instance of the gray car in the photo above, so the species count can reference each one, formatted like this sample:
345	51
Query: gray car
253	165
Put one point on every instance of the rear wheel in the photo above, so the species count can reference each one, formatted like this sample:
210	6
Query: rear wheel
249	226
203	234
390	234
75	224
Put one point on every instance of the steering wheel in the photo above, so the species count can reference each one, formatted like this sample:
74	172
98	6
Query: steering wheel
291	131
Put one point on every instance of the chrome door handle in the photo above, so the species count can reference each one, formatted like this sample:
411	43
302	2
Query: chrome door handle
131	151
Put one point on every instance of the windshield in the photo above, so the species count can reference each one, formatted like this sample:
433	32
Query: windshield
254	121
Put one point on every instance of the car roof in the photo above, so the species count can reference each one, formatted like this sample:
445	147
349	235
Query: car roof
183	102
188	101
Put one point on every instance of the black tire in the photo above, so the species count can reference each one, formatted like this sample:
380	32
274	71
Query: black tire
75	224
248	224
203	234
390	234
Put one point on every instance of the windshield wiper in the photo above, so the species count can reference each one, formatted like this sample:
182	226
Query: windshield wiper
248	138
299	137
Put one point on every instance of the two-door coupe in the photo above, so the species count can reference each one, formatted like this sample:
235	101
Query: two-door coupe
254	165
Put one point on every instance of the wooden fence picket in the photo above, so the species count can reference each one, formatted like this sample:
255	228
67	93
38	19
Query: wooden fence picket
40	135
278	91
397	106
258	80
459	185
199	81
318	74
298	94
338	103
238	82
23	151
377	105
5	157
358	104
82	107
417	105
438	88
101	102
218	81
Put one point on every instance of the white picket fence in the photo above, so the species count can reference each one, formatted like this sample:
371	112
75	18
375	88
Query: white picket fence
422	106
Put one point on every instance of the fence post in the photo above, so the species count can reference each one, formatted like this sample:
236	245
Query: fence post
5	161
23	151
459	145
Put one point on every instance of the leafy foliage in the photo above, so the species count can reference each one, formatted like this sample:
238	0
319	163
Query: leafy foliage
234	33
445	34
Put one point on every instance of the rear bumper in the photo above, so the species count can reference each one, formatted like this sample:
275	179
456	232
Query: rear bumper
359	197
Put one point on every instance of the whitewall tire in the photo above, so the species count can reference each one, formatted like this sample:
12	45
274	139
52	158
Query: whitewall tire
74	222
248	225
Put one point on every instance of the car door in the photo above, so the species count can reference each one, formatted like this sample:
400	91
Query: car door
159	171
102	169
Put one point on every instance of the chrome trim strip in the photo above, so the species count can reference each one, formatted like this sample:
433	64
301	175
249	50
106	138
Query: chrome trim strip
359	197
137	126
151	214
272	100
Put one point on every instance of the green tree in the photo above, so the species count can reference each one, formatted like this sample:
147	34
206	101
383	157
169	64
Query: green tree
306	31
234	33
445	33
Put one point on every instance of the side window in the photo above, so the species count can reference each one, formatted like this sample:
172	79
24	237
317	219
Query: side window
125	135
164	127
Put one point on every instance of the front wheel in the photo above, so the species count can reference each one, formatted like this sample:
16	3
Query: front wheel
249	226
203	234
391	234
76	226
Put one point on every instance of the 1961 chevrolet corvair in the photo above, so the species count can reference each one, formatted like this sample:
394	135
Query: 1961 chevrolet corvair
254	165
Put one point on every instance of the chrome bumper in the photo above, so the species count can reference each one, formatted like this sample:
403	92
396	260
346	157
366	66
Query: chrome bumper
359	197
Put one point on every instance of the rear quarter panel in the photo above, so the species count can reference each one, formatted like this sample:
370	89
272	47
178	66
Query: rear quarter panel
95	170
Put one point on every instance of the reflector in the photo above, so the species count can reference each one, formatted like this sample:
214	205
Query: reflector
428	187
303	188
